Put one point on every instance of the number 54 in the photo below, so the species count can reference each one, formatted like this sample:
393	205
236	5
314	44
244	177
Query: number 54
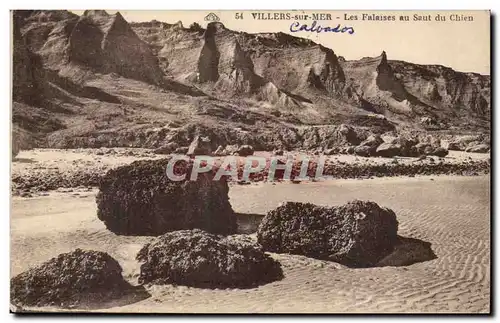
239	15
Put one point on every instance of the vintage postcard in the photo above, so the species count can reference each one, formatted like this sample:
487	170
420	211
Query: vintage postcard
250	161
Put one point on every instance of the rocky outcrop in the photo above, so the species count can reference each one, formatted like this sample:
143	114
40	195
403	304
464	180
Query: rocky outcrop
357	234
196	258
141	199
69	279
442	86
388	150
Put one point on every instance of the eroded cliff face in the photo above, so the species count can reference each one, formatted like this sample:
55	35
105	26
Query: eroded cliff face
101	77
107	43
284	68
439	85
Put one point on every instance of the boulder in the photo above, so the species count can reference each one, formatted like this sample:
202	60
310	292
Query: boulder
369	146
140	199
372	141
199	146
245	150
358	234
388	150
407	146
69	279
440	152
423	148
454	146
481	148
197	258
364	151
346	135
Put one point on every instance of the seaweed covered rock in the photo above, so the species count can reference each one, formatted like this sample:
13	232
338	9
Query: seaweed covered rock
200	259
357	234
69	279
142	199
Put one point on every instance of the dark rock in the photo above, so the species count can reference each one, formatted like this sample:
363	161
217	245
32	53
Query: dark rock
372	141
455	146
245	150
356	234
68	279
440	152
481	148
196	258
407	146
140	199
364	151
388	150
199	146
423	148
369	146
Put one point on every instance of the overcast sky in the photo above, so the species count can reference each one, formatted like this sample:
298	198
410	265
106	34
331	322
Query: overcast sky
462	45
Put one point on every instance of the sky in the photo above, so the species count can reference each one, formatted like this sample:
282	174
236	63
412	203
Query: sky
461	45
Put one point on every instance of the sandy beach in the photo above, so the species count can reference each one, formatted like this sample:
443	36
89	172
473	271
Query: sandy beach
450	212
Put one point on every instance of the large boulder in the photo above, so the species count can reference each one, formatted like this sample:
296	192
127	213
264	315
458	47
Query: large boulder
357	234
141	199
197	258
388	150
69	279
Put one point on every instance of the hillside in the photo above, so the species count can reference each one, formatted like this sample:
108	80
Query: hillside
96	80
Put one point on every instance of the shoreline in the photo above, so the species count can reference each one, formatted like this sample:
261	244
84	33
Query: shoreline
43	170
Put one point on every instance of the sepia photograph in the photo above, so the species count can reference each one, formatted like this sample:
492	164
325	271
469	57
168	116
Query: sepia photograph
250	162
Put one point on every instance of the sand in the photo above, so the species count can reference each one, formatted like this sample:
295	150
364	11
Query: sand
451	212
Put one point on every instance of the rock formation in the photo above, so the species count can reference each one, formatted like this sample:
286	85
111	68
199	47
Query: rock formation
141	199
196	258
107	43
357	234
68	279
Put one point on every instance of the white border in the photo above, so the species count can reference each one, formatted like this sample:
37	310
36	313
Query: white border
190	5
